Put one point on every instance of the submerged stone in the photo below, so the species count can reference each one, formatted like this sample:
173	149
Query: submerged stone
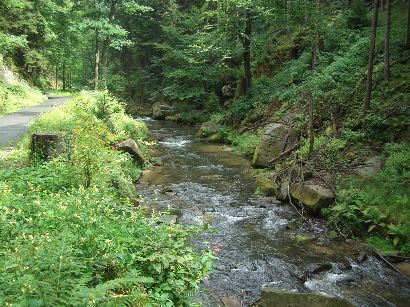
210	132
274	297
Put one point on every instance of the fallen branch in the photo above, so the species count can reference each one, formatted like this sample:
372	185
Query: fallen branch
285	153
380	256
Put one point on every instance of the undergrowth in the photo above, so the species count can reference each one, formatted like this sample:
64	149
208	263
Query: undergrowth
15	97
69	233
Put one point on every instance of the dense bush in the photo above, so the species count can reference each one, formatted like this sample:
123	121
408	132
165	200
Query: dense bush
69	233
15	97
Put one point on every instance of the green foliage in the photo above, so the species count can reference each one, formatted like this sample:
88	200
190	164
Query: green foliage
357	16
69	234
15	97
378	204
245	144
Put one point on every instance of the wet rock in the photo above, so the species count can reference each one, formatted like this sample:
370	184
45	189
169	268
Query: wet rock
230	302
210	132
283	191
275	139
312	195
45	146
130	147
167	190
173	118
404	267
339	268
168	219
318	268
362	257
370	167
274	297
162	109
265	186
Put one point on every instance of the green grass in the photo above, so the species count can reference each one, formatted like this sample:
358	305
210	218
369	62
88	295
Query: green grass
69	232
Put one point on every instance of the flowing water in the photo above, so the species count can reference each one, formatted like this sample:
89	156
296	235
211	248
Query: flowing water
254	237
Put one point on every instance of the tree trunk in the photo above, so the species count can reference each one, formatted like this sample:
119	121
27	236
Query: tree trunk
64	75
247	51
387	41
97	60
56	77
104	62
369	83
311	131
349	4
106	44
382	6
407	39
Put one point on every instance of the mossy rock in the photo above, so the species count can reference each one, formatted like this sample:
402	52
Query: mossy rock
312	195
173	118
265	186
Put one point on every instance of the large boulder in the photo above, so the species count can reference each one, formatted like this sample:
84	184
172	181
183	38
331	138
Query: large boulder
210	132
160	110
312	195
130	147
276	138
274	297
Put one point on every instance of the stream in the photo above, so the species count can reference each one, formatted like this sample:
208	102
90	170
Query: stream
255	237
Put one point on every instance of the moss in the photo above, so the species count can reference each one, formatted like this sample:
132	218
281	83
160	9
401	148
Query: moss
265	186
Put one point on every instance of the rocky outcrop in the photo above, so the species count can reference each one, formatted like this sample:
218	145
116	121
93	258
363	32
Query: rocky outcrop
130	147
275	139
312	195
210	132
45	146
160	110
274	297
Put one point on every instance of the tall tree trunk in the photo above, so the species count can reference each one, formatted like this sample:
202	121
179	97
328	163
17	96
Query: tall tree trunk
407	39
311	131
382	4
56	77
106	44
104	62
349	4
128	72
387	41
247	51
64	75
369	83
97	60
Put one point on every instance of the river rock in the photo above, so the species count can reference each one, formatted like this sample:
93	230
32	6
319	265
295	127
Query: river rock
276	138
210	132
312	195
265	186
162	109
130	147
45	146
370	167
230	302
274	297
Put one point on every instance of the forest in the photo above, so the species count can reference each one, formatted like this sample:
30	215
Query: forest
313	95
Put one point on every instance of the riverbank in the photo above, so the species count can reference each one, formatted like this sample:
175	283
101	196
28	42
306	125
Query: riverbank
71	232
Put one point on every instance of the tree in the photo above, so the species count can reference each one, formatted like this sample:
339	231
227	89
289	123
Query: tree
370	65
387	41
407	38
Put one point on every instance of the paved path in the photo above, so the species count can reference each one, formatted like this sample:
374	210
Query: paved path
15	124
